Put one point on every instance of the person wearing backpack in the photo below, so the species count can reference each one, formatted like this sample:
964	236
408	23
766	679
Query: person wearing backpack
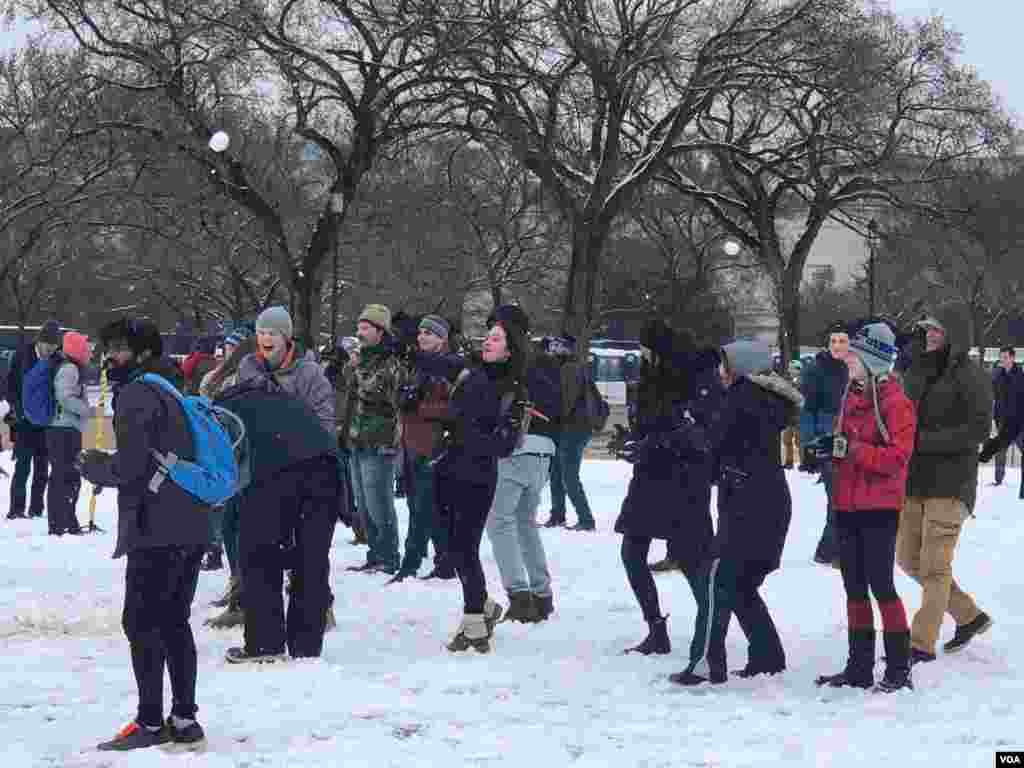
64	435
161	533
29	439
576	432
290	509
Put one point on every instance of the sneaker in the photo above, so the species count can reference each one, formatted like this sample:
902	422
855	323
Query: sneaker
664	566
238	655
917	656
135	736
554	522
189	738
232	616
964	634
888	685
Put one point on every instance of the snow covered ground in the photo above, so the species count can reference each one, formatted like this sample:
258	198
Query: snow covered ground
386	693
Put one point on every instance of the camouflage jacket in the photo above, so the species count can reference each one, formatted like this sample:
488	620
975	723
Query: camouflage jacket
370	399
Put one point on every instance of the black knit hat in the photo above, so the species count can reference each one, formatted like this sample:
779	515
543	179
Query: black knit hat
511	317
50	333
138	335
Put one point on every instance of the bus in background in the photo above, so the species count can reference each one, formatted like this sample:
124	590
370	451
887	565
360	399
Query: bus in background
613	365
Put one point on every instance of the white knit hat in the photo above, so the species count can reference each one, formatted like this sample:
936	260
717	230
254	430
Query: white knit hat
875	345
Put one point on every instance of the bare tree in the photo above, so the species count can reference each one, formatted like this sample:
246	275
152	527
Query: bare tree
592	98
854	108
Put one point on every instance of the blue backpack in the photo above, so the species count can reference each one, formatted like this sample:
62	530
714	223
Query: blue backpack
38	401
218	439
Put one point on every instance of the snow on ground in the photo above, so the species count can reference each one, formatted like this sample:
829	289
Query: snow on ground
385	692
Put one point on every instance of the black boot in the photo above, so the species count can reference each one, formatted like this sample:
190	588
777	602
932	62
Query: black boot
545	605
860	666
897	662
657	639
522	607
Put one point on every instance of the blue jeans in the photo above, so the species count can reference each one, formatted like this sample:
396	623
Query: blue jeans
515	540
373	486
422	513
565	478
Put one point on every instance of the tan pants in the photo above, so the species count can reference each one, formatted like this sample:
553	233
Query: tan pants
925	545
791	445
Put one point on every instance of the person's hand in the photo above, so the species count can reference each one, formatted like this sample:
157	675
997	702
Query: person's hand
617	440
635	451
988	450
408	397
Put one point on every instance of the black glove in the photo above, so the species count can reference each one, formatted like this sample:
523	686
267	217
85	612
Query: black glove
409	397
10	419
88	461
636	451
988	450
617	440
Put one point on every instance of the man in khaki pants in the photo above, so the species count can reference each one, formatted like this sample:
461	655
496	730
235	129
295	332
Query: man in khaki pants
954	401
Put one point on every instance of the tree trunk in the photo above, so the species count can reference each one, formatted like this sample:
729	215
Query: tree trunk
306	309
789	319
588	241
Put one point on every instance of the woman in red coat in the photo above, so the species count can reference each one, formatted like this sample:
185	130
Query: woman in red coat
871	448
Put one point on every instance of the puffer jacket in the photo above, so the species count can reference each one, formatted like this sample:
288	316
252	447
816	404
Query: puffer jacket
72	409
822	383
954	402
873	475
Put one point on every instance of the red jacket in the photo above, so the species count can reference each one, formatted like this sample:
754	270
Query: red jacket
874	474
422	428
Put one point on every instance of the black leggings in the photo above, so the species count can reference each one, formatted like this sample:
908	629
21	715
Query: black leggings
867	553
464	508
635	550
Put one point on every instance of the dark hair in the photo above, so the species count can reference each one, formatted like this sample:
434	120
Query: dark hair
139	335
1008	350
232	362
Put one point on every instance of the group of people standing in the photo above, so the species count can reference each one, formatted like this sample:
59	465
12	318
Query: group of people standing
482	434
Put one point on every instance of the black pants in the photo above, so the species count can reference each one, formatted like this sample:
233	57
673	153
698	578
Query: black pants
635	550
287	523
464	507
867	556
29	455
63	445
725	587
160	584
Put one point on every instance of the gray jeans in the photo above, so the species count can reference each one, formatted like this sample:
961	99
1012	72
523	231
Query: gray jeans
515	539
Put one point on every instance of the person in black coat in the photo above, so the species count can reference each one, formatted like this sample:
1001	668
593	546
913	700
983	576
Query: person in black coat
754	510
163	533
1007	390
669	495
484	424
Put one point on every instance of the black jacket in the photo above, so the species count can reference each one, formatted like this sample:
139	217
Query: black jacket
754	504
953	396
147	418
669	496
1007	389
476	441
544	388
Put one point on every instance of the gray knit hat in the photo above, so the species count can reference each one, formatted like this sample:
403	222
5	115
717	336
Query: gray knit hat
436	324
875	345
378	315
275	320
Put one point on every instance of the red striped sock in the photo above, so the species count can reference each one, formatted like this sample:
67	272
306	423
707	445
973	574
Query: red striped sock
894	616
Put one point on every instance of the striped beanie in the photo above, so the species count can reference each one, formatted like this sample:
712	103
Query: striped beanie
436	324
875	345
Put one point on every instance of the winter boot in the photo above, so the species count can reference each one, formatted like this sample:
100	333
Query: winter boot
964	634
897	662
689	677
471	634
657	639
545	605
522	607
231	593
232	616
329	621
492	615
860	666
555	521
214	560
237	655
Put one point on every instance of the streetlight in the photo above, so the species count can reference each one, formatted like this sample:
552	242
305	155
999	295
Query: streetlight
872	235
